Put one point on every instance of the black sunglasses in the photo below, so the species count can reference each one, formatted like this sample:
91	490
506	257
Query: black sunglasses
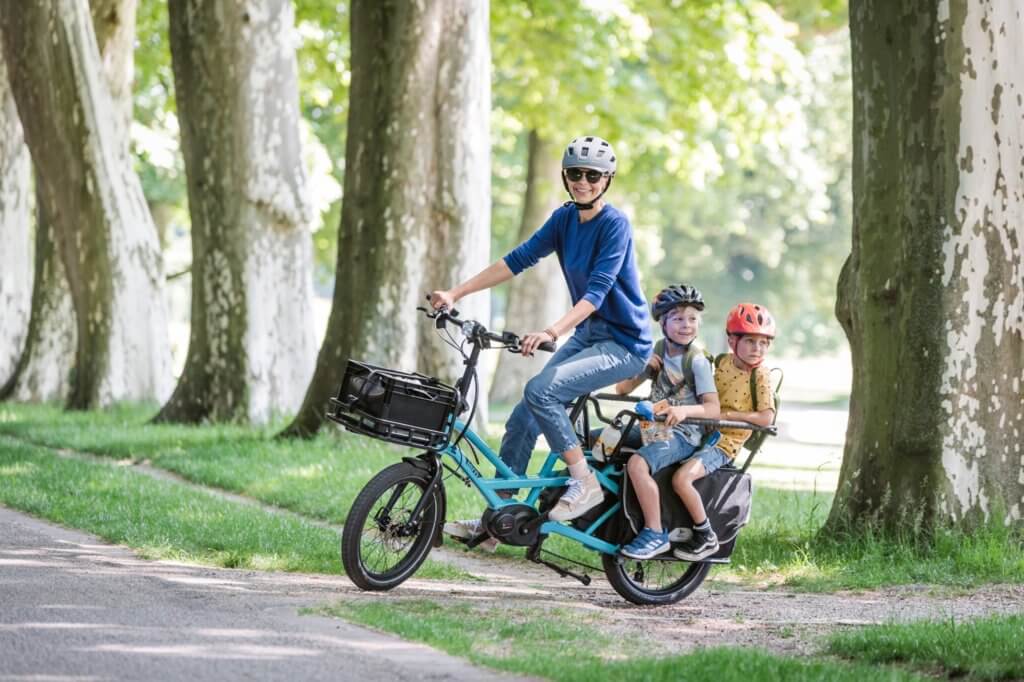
576	174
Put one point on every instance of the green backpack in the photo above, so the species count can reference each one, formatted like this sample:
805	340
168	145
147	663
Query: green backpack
757	438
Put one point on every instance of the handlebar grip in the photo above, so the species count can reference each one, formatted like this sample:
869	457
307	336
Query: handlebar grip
548	346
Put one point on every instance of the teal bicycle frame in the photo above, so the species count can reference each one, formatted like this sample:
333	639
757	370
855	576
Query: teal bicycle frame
506	479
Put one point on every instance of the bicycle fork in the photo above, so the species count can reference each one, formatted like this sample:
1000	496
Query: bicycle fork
425	500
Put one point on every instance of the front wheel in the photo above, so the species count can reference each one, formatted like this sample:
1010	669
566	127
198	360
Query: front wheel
655	581
380	546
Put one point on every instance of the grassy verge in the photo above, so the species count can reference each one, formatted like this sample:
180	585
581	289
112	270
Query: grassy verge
321	477
987	649
561	644
165	520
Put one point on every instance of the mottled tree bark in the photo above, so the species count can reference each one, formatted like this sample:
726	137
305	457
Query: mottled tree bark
409	182
459	242
15	233
932	297
75	132
252	348
537	297
44	368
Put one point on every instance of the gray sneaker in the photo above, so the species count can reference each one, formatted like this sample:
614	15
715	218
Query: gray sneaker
467	530
581	496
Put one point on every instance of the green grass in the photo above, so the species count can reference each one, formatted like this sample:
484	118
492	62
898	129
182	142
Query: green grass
320	478
987	649
563	644
163	519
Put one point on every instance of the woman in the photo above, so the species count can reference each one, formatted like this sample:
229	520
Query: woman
612	338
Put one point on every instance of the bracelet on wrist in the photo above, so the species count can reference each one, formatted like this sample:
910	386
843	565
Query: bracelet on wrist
551	332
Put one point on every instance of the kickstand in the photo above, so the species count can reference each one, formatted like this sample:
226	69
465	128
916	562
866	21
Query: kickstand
533	554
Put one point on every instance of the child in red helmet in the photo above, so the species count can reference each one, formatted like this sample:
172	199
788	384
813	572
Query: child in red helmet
750	329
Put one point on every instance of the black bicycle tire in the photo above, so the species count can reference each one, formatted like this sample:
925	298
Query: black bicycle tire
352	533
614	570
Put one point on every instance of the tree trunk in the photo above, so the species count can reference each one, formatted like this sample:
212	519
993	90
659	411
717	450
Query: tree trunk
15	235
106	237
44	370
399	145
459	245
252	348
114	24
932	296
537	297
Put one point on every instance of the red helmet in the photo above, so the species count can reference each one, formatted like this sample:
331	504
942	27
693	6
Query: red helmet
750	318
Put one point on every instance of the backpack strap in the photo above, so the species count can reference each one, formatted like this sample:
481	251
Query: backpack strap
753	388
687	365
659	351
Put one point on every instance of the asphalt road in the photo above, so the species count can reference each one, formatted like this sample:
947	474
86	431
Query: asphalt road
75	608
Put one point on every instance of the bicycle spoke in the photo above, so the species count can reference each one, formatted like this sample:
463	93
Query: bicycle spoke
385	541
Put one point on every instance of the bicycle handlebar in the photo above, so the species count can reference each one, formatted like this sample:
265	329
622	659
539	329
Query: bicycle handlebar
479	333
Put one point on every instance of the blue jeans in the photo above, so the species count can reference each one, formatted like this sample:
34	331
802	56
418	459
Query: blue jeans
589	360
664	453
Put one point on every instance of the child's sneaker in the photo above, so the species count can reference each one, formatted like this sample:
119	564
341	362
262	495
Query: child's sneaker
647	545
582	496
700	546
469	529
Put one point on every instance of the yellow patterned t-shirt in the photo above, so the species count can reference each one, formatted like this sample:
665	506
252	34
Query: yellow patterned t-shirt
733	386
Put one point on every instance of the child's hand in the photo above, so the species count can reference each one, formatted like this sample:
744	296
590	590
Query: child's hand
673	415
654	364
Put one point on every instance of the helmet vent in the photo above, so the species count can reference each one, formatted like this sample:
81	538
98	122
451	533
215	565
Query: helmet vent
590	139
585	151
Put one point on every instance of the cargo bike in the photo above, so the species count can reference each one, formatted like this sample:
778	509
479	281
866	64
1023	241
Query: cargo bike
398	516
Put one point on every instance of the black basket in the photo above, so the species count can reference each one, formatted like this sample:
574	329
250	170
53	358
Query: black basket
399	407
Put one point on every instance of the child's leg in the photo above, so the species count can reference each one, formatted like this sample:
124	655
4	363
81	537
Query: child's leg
682	482
642	466
704	542
646	491
652	458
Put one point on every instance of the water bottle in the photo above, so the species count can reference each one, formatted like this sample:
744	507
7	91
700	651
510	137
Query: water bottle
605	444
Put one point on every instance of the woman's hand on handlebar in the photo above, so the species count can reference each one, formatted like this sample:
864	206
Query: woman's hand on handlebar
442	299
532	341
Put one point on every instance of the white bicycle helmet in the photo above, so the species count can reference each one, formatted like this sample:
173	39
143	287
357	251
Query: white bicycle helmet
592	152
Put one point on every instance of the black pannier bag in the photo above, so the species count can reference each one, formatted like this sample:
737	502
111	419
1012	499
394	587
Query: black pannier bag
726	494
400	407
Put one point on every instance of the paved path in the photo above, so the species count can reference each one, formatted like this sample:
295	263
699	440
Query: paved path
75	608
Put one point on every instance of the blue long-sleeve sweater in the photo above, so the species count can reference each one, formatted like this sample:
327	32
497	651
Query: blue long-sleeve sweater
599	265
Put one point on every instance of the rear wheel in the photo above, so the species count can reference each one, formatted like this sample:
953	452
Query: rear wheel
380	547
655	581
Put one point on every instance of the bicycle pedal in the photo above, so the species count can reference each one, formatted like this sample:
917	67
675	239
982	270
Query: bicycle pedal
474	541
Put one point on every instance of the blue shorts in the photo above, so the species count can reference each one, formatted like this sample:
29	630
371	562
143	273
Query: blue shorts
664	453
